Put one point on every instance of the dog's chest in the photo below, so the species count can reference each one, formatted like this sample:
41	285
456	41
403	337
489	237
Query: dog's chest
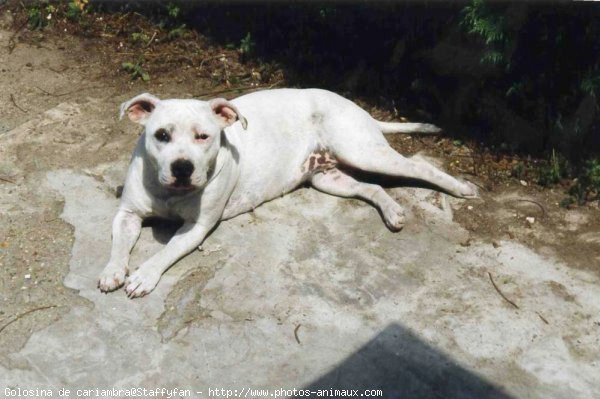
179	207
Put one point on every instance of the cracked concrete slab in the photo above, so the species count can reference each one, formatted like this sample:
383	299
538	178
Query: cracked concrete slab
327	265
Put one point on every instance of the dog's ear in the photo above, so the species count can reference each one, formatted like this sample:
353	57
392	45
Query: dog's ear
227	113
139	108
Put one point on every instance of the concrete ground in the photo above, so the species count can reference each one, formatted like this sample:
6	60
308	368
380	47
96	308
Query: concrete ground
308	291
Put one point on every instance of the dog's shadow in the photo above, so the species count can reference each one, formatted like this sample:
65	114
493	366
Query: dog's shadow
162	229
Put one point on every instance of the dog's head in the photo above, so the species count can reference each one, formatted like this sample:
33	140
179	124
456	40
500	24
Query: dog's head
182	137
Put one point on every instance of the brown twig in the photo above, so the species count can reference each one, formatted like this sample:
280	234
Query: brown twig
6	179
58	70
500	292
12	100
122	17
542	317
151	39
296	333
44	91
68	92
20	316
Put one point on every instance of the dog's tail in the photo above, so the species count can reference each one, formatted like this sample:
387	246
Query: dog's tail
405	127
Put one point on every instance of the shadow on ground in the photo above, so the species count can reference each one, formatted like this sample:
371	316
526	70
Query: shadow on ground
404	367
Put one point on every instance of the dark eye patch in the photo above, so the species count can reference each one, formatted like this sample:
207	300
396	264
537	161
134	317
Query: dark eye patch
162	135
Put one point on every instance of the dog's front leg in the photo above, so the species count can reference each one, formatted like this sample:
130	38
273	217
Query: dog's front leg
125	232
185	240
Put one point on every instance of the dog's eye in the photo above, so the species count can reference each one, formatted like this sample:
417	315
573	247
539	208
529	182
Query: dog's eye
162	135
201	136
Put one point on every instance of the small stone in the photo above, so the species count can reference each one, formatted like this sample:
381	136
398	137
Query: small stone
495	244
530	219
523	183
27	276
470	208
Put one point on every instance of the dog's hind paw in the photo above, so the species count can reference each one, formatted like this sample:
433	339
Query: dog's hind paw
111	278
393	216
469	191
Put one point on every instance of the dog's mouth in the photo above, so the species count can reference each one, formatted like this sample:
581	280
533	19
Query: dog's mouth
181	186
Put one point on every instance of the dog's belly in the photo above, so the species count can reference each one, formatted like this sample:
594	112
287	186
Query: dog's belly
250	195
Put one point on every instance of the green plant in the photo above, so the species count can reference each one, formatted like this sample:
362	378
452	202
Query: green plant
35	19
479	20
170	17
135	70
518	170
590	179
247	45
75	9
39	15
591	84
173	10
587	185
139	37
178	32
492	57
551	172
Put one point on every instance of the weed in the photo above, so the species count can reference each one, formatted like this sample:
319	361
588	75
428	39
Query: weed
492	57
553	171
591	84
479	20
36	18
172	18
518	170
136	71
75	9
178	32
139	37
589	181
587	185
247	45
173	10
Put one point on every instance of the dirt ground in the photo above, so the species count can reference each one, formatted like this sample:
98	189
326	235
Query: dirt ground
52	81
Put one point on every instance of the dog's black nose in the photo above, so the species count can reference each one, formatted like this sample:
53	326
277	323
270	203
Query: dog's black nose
182	169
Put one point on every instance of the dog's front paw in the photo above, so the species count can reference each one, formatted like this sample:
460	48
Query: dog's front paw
141	283
111	278
393	215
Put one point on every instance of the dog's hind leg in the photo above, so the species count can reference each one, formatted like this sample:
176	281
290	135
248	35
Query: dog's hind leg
336	182
356	140
381	158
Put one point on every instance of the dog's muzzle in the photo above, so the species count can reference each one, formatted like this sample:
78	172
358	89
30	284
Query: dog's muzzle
182	170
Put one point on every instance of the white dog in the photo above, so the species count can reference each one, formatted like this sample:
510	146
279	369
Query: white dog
201	162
